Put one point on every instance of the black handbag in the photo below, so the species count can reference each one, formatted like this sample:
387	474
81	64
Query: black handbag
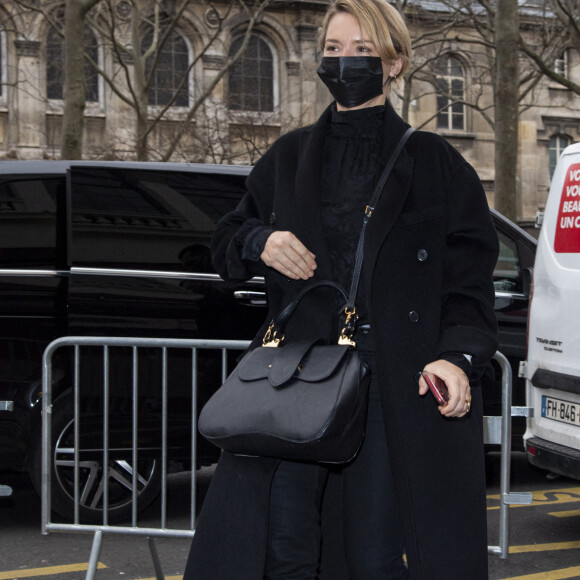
302	400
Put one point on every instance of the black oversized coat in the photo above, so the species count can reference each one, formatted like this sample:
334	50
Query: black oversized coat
429	255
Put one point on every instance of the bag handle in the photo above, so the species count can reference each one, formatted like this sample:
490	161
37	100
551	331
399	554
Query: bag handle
275	333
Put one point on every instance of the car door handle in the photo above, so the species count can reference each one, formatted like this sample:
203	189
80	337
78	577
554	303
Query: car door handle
251	296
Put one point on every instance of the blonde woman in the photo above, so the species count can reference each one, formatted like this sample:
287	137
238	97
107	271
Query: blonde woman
425	303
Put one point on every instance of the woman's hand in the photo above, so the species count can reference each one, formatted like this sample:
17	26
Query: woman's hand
457	383
284	252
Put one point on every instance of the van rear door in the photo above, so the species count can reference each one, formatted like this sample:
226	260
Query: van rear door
553	366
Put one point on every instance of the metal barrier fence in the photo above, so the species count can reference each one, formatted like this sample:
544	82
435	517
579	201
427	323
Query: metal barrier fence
497	430
135	344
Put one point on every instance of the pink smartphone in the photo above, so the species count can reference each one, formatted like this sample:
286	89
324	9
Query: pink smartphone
437	387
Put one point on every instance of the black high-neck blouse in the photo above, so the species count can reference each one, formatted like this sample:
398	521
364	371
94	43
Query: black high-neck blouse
350	170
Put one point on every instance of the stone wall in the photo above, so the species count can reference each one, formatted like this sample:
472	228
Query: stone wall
30	123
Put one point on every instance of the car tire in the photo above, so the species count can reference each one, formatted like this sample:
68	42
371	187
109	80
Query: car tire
91	475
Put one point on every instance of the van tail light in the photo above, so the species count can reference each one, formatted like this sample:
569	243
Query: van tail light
531	450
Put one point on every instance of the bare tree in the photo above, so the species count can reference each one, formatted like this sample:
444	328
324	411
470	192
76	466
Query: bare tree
523	42
488	33
136	44
430	33
438	30
241	137
223	138
506	106
74	78
67	19
557	26
138	52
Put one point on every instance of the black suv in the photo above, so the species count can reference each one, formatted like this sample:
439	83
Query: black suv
122	249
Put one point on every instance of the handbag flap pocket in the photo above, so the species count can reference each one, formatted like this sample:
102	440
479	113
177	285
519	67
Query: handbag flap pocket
289	361
302	359
321	362
256	364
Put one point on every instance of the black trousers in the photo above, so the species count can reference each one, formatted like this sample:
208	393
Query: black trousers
372	533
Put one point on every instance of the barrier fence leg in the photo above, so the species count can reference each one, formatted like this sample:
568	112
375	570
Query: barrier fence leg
507	498
155	557
95	552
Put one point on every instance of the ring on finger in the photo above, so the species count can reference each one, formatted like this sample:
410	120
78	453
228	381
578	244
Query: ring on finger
467	403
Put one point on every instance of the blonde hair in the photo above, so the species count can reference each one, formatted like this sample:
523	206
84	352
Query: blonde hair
381	21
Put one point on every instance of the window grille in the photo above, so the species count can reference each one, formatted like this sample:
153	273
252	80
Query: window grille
169	82
251	79
450	95
556	145
55	65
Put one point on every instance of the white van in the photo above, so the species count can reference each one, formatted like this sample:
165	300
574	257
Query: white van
552	371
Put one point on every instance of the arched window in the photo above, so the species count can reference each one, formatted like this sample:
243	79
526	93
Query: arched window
251	79
556	145
55	65
169	79
450	94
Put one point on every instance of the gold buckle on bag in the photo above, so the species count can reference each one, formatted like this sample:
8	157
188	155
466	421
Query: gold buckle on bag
349	326
270	338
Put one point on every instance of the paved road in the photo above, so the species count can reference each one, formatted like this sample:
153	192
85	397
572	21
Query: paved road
545	537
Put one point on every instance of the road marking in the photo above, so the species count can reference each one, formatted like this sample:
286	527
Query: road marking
565	514
166	578
550	575
544	547
46	571
547	497
553	496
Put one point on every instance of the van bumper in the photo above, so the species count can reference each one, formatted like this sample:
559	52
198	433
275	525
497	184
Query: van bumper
553	457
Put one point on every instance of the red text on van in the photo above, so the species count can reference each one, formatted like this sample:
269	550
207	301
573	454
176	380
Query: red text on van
567	239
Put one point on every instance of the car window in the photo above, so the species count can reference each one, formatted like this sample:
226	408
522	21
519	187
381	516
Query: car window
506	275
145	219
28	210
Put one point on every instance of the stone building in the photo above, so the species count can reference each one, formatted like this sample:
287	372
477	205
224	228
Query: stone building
270	90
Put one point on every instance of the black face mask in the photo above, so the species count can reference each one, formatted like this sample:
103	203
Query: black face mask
352	80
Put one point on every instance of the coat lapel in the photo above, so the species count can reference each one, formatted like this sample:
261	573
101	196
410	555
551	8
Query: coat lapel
308	194
395	190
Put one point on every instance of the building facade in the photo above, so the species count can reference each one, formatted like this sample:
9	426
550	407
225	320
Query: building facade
270	90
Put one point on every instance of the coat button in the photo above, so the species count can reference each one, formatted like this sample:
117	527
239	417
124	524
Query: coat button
413	316
418	376
422	255
272	218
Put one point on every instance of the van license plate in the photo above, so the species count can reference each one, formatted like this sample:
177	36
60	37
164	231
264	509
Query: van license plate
560	410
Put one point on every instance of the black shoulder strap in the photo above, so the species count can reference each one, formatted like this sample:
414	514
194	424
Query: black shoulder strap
369	211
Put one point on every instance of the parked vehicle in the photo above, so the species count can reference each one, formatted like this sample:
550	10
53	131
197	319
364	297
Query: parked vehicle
512	280
112	249
552	370
122	249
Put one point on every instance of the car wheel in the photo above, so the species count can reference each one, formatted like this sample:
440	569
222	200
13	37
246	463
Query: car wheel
92	475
